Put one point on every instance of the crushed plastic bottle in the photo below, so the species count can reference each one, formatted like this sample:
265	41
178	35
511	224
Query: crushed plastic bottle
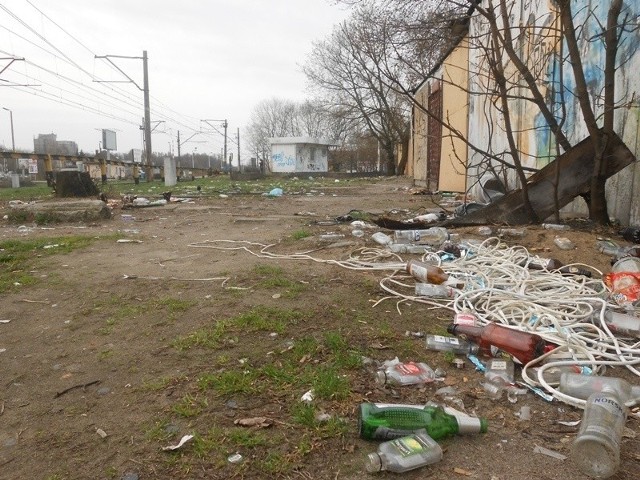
434	291
382	238
563	243
395	372
555	226
404	454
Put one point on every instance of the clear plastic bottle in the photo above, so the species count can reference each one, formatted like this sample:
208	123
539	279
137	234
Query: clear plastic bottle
450	344
435	291
563	243
404	454
405	373
407	248
555	226
382	238
622	323
596	449
435	236
582	386
426	273
500	371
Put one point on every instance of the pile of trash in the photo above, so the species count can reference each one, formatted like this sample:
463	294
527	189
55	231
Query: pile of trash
526	324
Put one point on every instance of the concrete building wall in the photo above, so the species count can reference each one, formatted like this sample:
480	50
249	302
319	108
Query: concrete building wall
299	154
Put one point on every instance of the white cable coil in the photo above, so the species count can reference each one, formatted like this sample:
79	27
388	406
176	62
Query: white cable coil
567	311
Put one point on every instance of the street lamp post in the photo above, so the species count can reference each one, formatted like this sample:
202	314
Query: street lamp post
193	158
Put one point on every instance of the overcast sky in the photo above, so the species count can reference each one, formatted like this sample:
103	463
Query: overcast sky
207	59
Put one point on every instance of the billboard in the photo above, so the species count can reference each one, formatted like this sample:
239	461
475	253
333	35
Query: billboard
136	155
109	139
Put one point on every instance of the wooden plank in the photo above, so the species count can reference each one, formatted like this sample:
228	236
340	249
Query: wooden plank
576	167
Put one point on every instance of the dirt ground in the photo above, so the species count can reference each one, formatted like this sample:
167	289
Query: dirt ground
94	382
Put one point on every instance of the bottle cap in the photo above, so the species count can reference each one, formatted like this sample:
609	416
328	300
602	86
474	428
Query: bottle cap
374	463
452	328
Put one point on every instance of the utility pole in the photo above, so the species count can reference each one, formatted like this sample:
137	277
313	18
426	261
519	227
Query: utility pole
239	167
147	108
147	115
178	162
225	125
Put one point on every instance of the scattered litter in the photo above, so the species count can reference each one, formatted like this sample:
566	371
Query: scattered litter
331	236
568	424
183	440
2	350
307	397
102	433
549	453
5	321
52	246
524	413
235	458
276	192
128	240
222	195
261	422
479	365
563	243
458	363
444	391
462	471
322	417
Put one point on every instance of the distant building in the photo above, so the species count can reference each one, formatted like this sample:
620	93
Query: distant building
48	143
299	154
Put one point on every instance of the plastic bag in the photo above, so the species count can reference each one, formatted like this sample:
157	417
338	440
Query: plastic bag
624	286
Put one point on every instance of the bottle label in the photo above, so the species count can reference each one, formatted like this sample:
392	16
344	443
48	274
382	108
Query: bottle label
446	340
408	446
613	407
498	365
407	369
385	433
465	319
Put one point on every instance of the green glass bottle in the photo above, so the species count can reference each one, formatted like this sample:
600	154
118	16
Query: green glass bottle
386	422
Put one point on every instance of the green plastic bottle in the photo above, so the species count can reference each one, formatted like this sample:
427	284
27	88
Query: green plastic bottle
386	422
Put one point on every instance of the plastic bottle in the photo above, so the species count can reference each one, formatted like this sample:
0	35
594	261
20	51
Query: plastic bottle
622	323
500	371
408	373
582	386
553	264
407	248
596	449
382	238
523	346
563	243
404	454
386	422
450	344
555	226
426	272
435	236
511	232
434	291
553	374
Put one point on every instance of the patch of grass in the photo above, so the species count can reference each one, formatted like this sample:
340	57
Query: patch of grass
190	406
273	277
304	414
267	319
300	234
276	463
111	472
105	354
205	338
329	384
343	355
175	305
158	432
230	382
244	438
209	443
18	257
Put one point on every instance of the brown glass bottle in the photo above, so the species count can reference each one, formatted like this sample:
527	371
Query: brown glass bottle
426	272
552	264
523	346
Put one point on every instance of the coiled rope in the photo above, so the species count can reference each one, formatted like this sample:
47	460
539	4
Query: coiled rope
496	284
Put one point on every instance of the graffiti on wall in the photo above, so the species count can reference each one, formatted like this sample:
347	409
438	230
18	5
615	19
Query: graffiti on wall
282	162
